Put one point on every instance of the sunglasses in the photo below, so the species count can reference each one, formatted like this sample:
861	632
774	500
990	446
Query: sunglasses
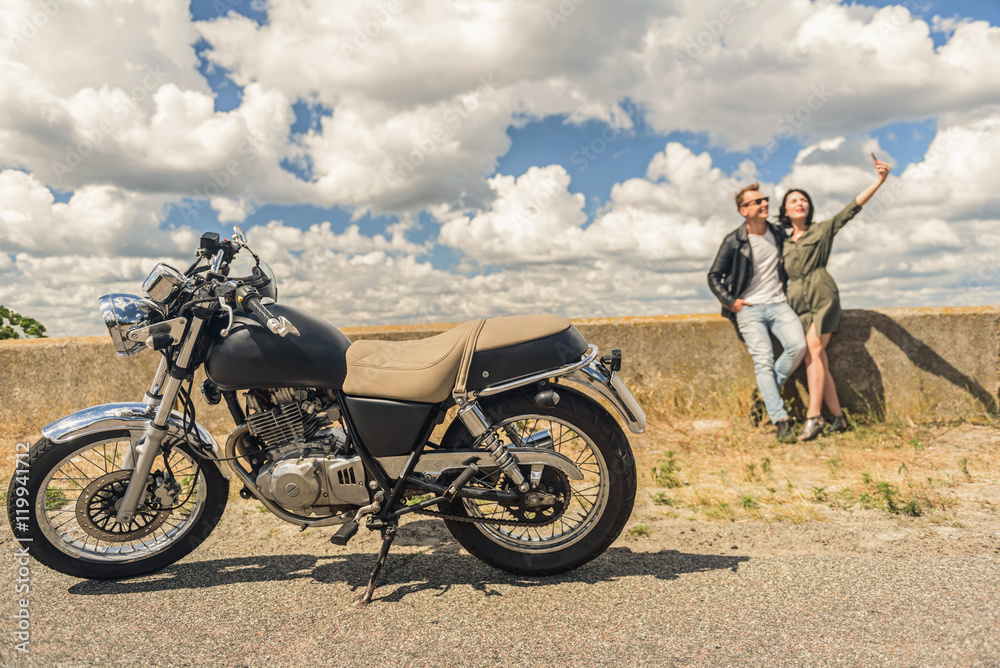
755	202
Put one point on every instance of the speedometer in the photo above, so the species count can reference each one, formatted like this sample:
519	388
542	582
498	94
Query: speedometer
163	283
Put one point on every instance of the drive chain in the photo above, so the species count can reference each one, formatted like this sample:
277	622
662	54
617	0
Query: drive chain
486	520
504	523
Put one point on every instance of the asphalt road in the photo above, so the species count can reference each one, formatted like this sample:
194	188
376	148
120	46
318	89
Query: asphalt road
260	594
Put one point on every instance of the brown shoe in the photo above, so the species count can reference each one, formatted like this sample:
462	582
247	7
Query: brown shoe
812	428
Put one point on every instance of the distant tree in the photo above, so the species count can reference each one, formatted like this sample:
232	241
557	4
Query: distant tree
28	326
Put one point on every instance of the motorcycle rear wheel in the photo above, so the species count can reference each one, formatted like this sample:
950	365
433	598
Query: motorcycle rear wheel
598	506
71	489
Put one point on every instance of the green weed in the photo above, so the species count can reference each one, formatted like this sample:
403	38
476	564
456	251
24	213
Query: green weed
890	496
665	471
845	498
720	511
54	499
661	499
639	531
834	465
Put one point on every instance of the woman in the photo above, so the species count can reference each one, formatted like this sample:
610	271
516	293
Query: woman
812	294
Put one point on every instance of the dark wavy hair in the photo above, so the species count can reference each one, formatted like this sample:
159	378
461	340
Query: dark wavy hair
784	220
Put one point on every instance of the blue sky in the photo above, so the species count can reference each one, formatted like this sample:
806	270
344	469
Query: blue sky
403	162
594	163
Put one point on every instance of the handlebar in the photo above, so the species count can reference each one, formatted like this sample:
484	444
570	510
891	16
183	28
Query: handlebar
250	300
216	264
219	253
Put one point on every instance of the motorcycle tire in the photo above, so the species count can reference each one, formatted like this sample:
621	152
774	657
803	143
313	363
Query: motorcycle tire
593	511
62	498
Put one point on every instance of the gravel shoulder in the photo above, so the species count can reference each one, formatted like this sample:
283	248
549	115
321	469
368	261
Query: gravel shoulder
850	587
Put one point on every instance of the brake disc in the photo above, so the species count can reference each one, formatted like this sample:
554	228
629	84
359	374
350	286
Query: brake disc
97	509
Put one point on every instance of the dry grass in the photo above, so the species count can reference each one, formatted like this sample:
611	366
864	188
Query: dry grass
727	470
720	470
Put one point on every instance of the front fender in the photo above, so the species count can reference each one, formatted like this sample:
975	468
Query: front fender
130	417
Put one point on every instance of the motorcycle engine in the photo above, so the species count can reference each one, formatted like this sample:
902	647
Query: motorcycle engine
310	466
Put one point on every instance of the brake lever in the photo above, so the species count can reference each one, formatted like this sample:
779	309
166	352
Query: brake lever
229	310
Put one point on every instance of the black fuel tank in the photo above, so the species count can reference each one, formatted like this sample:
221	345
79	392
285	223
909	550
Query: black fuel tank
251	356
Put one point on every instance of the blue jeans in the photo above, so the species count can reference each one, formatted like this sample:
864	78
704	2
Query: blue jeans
755	322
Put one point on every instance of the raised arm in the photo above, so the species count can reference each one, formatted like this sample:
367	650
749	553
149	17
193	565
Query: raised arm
883	171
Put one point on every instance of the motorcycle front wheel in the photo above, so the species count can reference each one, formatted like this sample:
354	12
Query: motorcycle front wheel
585	516
64	500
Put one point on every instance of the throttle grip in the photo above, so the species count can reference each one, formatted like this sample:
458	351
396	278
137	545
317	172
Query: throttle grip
248	298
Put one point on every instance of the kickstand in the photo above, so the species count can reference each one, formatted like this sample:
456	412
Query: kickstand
388	534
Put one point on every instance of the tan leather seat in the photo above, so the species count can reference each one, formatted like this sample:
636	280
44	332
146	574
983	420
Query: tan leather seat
511	330
426	370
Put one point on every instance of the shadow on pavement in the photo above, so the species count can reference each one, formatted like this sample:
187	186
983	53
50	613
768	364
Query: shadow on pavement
405	573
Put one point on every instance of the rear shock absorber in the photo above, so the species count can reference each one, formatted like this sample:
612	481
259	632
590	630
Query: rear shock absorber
480	427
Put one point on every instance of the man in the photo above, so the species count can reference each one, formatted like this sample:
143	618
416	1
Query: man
748	277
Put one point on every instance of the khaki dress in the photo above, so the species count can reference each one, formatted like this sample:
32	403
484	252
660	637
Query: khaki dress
812	294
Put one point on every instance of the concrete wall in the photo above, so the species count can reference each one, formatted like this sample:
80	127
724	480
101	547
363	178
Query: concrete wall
921	364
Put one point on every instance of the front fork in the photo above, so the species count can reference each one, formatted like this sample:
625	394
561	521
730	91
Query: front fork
149	448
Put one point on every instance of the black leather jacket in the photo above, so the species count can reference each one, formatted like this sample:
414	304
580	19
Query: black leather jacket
732	270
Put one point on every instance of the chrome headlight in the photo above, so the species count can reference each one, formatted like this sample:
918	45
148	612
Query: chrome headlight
122	314
163	283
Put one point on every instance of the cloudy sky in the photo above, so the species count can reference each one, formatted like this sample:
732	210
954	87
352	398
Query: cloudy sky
436	160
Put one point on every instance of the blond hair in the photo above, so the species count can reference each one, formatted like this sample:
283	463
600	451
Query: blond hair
746	189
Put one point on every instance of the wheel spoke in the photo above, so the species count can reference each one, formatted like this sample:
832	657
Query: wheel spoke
82	472
579	503
95	532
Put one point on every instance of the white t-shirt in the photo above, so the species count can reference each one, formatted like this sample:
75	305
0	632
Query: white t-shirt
765	286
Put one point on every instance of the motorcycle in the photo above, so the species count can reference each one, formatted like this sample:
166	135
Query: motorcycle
533	475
